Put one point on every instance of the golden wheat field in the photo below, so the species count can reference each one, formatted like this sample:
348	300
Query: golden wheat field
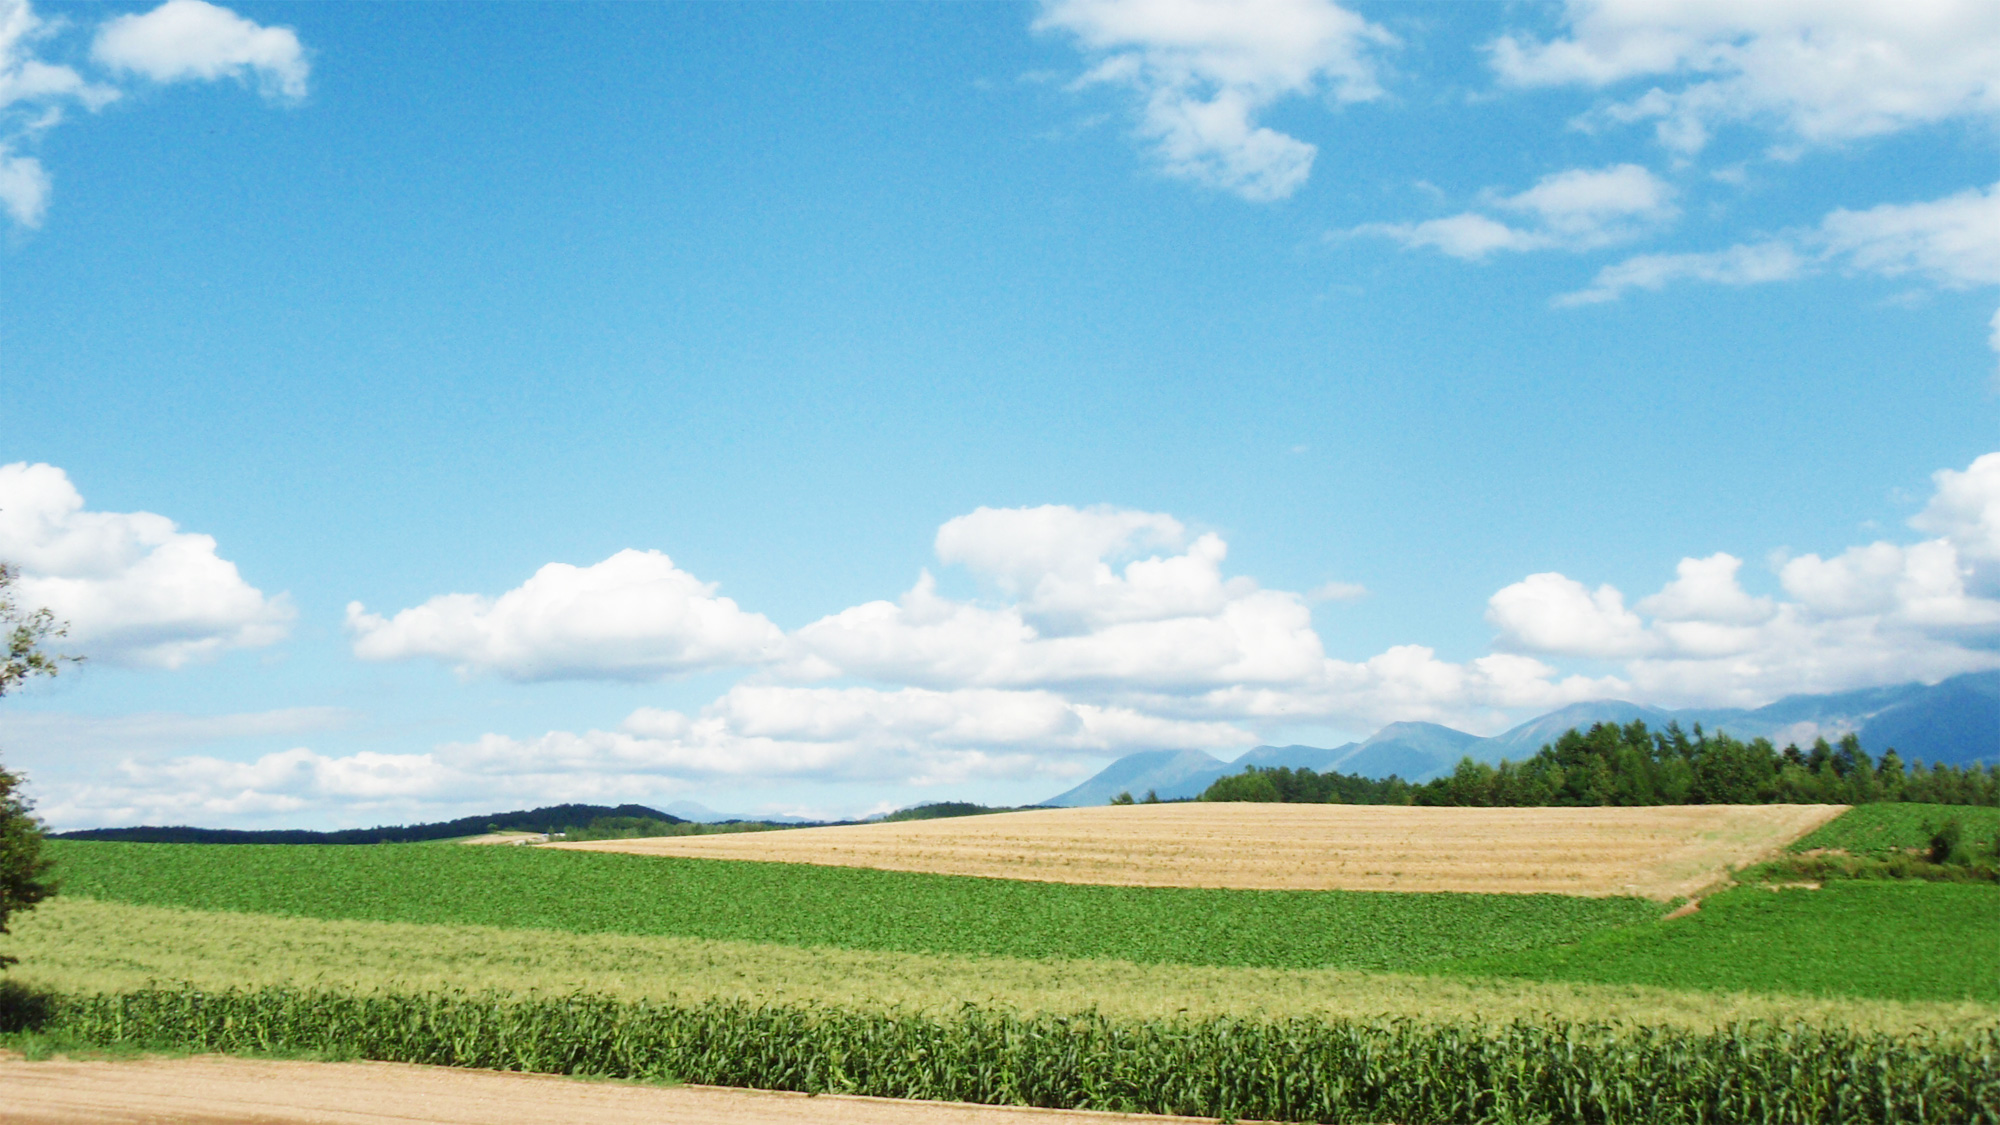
1662	853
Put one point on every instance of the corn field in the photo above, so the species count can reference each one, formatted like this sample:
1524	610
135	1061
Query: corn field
1289	1070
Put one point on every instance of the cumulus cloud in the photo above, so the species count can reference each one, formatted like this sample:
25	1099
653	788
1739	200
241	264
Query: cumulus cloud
1578	209
190	40
1823	71
903	734
1095	632
1205	69
71	737
1552	613
1127	609
1877	613
1164	621
181	40
33	96
205	790
134	588
634	616
753	733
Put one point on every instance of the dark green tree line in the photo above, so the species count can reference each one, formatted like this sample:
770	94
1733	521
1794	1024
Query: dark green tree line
1632	765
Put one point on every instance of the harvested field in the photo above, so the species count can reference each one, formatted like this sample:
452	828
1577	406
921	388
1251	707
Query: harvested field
1660	852
211	1090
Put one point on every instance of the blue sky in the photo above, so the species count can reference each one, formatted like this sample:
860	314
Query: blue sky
1443	362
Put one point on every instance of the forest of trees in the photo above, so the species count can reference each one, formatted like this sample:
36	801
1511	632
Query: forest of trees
1631	765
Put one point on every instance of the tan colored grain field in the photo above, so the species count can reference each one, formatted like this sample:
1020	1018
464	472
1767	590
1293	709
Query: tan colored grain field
1659	853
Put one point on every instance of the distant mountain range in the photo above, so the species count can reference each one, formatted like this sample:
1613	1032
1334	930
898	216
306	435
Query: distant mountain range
1956	721
702	814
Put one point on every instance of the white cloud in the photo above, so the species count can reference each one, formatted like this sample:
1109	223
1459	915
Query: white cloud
1467	235
634	616
1952	242
1337	592
908	734
1824	71
1555	614
1707	590
202	790
1993	341
33	94
189	40
1750	264
1965	512
1205	69
1165	622
1873	614
24	188
758	733
27	79
1166	634
134	588
181	40
1578	209
1101	631
67	738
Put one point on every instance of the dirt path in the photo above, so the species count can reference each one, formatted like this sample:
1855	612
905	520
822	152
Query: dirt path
212	1090
1659	852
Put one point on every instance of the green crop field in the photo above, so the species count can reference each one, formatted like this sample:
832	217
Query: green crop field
852	908
1878	830
1873	1000
1296	1070
80	946
1894	940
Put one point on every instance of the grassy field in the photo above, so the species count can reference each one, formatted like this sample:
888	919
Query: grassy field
1878	830
1661	852
851	908
1894	940
81	946
1876	1001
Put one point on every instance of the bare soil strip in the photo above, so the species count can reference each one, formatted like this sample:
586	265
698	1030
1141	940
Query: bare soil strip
211	1090
1662	852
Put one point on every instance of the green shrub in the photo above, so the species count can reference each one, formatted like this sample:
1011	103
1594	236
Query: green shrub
1948	843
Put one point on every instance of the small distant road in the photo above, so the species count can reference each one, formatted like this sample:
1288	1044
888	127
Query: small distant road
212	1090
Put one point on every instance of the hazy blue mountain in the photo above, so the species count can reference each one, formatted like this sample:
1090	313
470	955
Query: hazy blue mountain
1956	722
1523	741
1408	750
702	814
1171	773
1315	758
